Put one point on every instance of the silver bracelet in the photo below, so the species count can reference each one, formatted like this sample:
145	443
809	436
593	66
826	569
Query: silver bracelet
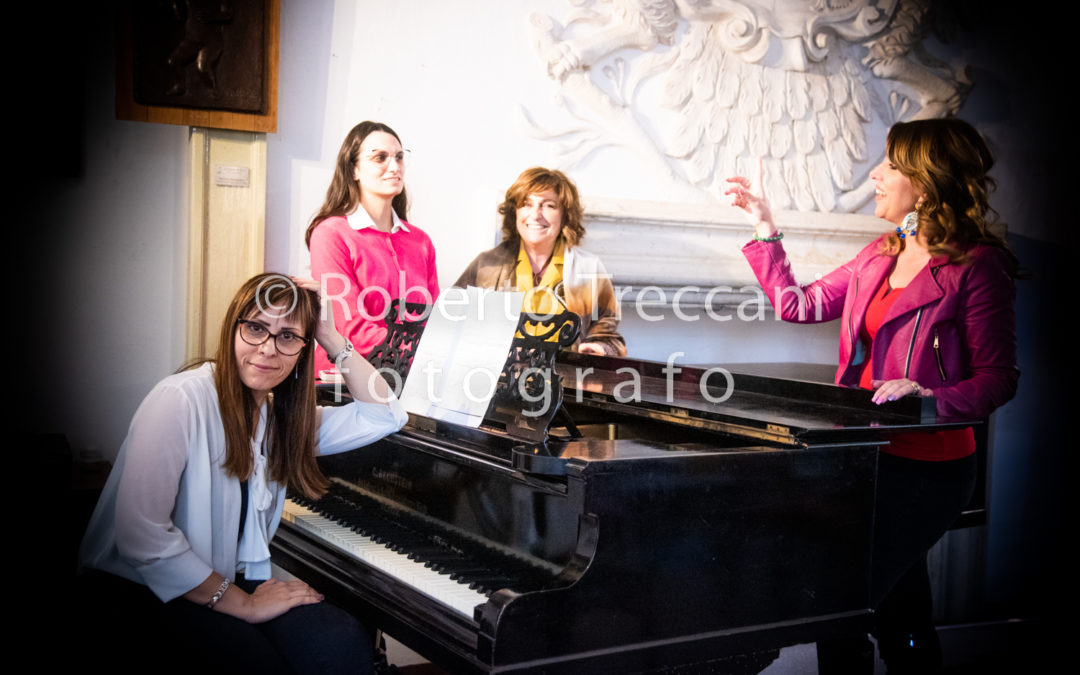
343	354
220	592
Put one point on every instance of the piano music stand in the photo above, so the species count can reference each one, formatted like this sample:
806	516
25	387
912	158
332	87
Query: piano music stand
528	393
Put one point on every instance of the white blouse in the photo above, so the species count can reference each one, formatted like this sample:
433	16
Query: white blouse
169	514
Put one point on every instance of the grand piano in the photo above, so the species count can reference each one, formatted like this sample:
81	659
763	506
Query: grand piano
648	521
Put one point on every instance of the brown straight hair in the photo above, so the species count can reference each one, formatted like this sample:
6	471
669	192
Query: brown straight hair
948	161
343	195
291	413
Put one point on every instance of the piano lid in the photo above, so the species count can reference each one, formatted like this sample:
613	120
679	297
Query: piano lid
770	408
541	383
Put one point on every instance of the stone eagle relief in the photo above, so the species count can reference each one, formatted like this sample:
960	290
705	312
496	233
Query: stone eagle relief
702	88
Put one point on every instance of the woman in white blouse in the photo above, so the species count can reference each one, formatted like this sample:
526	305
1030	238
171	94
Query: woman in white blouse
198	488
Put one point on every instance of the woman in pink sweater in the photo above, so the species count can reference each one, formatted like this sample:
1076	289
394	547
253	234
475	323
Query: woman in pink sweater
362	249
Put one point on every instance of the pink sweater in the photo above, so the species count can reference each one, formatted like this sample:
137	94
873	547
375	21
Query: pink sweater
368	268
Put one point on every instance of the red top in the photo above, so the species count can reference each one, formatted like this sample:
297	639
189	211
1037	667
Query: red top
934	446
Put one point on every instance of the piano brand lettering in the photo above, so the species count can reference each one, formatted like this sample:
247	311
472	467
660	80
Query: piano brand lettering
391	478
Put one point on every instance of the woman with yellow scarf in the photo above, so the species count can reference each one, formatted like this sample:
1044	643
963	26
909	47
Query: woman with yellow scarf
539	254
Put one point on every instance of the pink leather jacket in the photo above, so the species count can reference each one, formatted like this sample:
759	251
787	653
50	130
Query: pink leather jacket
952	330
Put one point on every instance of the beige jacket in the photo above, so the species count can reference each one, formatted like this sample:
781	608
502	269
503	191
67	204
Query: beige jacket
586	290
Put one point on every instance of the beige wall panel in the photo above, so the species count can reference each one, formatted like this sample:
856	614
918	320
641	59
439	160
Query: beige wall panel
228	203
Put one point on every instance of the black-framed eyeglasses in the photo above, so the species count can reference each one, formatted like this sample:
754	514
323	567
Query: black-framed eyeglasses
287	342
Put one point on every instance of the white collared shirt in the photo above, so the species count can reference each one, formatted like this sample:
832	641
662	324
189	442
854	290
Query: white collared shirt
360	219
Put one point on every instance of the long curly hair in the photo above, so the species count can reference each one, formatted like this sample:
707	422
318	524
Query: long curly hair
948	161
291	414
343	195
538	179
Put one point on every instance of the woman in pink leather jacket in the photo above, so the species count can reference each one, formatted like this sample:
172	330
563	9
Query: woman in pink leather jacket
926	310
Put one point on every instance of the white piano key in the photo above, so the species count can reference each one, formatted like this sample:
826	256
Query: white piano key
410	572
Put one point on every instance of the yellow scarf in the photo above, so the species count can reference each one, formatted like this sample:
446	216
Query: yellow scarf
540	299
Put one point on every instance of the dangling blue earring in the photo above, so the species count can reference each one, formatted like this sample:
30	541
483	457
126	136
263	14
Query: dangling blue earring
910	221
908	225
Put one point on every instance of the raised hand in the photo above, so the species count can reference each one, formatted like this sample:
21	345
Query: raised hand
364	383
326	333
757	206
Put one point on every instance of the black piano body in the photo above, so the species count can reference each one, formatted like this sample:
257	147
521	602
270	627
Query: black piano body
702	519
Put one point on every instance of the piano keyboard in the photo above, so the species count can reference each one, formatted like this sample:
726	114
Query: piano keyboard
415	574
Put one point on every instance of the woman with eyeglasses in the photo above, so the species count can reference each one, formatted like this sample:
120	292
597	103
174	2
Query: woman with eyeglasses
177	549
362	248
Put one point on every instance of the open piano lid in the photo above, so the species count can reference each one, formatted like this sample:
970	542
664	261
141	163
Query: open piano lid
782	410
532	429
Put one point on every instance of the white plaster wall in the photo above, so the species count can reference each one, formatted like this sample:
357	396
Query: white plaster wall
453	84
453	80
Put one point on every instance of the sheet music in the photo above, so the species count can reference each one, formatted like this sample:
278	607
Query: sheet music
461	354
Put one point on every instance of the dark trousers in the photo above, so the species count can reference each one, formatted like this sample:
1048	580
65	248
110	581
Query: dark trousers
128	629
915	504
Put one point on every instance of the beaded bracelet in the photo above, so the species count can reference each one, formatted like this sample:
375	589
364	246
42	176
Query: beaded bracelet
776	237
